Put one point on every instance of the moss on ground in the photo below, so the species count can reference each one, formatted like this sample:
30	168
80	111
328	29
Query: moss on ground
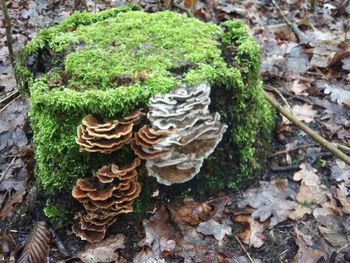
112	62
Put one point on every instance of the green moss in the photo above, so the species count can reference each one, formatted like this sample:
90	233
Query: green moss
59	217
112	62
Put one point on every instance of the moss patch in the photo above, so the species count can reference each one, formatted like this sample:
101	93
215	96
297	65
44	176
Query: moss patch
112	62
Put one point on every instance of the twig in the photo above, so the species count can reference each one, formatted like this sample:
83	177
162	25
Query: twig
7	168
292	149
342	147
298	33
302	99
8	32
326	144
8	97
250	259
282	97
3	108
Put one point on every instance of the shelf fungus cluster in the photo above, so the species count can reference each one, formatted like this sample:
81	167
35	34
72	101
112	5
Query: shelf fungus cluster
104	196
106	137
183	133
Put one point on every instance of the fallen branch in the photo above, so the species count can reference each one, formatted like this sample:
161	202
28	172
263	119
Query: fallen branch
317	138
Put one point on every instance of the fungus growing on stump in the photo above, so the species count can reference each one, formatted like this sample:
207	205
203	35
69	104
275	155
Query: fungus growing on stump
183	134
104	196
106	137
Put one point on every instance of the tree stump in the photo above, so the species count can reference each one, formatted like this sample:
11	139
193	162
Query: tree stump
102	67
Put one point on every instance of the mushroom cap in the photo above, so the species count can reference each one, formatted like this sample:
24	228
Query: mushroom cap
104	196
197	133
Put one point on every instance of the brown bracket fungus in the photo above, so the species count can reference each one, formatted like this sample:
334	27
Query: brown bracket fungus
110	193
106	137
183	134
144	141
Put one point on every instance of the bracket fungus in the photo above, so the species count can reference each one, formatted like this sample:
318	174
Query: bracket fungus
106	137
104	196
183	134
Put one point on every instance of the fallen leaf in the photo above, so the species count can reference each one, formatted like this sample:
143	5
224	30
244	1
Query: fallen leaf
332	224
190	211
306	254
310	190
340	171
146	256
299	211
160	235
190	3
304	112
342	195
339	92
323	53
17	198
252	230
212	227
37	245
270	200
297	61
105	251
299	88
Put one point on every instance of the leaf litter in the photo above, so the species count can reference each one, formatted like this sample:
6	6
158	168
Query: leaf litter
186	230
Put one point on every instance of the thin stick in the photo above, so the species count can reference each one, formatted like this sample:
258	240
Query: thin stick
7	168
292	149
3	108
8	97
298	33
285	93
282	97
8	32
317	138
250	259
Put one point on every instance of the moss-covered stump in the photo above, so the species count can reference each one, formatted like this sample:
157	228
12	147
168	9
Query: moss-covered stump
110	63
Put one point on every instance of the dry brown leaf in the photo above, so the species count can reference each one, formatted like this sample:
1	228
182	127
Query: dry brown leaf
304	112
340	171
190	212
310	190
105	251
252	230
17	198
342	195
306	254
37	245
159	233
270	200
299	88
190	3
299	212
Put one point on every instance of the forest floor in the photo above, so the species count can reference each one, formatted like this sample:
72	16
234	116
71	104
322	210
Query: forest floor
300	210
